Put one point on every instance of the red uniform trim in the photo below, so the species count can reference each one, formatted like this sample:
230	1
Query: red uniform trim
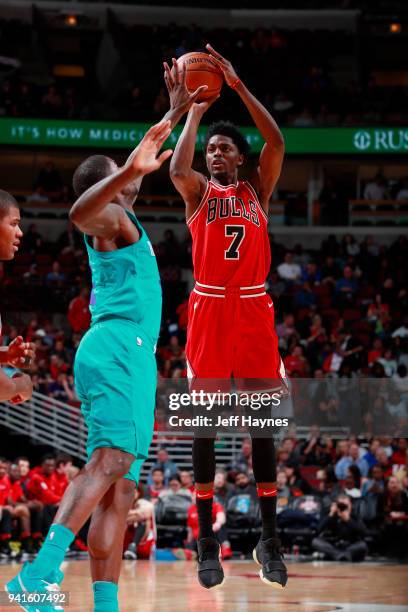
266	492
201	204
252	190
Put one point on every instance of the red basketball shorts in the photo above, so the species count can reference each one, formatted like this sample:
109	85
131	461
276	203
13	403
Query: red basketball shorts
233	335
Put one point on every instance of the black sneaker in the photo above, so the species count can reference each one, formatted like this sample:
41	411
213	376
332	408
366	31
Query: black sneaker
5	551
131	553
210	572
27	549
273	571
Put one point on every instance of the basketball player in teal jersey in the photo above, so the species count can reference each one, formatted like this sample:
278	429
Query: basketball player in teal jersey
115	366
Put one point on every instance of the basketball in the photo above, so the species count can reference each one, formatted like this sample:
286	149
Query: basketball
202	70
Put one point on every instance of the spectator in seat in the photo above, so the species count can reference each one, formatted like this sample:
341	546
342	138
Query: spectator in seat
394	506
289	271
402	331
283	496
296	362
79	316
55	278
334	359
69	241
175	488
243	484
157	485
17	506
222	488
44	487
375	482
328	486
353	458
376	189
50	181
243	463
346	286
384	462
388	362
402	195
286	329
63	464
352	482
399	455
330	270
140	535
375	352
370	455
164	464
316	450
396	407
340	537
297	484
218	526
400	380
186	479
32	240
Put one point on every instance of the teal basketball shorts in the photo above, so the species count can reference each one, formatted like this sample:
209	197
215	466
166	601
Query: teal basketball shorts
115	378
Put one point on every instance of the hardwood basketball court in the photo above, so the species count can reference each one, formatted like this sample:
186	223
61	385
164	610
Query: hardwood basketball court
151	586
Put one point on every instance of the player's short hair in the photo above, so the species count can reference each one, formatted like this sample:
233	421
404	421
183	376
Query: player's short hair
7	201
47	457
92	170
63	458
226	128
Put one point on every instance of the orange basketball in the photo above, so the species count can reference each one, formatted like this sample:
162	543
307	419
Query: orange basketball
202	70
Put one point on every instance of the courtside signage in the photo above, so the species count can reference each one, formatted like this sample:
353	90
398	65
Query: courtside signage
306	141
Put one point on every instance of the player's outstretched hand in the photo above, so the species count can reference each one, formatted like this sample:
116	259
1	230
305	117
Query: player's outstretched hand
175	78
202	107
225	66
20	354
144	158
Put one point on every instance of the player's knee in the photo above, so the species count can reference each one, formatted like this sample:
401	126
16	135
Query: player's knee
112	464
98	546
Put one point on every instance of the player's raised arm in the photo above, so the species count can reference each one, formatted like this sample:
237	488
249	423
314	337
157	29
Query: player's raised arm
93	212
270	160
189	183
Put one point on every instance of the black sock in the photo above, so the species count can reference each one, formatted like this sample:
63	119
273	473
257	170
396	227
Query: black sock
204	510
268	514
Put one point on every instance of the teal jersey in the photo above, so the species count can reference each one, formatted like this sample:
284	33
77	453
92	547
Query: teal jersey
126	284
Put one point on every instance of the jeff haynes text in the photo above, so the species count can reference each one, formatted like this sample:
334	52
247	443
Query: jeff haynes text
231	421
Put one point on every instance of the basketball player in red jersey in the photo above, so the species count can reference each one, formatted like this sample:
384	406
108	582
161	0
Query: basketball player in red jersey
231	318
19	353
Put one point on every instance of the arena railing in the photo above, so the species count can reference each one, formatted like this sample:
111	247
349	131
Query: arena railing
378	212
48	421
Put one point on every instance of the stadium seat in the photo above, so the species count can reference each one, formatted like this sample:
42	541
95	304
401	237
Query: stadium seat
171	519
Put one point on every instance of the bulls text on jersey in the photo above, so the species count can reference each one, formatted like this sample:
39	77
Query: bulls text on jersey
222	208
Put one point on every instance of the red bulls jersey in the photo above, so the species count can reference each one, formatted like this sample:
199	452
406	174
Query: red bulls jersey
230	238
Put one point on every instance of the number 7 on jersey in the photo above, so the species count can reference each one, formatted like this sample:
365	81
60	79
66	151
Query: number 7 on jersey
237	232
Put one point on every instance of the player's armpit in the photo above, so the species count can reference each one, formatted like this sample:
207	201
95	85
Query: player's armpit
191	185
268	172
110	223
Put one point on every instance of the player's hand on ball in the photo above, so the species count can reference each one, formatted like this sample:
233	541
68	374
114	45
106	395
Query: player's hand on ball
202	107
144	158
20	354
175	78
225	66
25	388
